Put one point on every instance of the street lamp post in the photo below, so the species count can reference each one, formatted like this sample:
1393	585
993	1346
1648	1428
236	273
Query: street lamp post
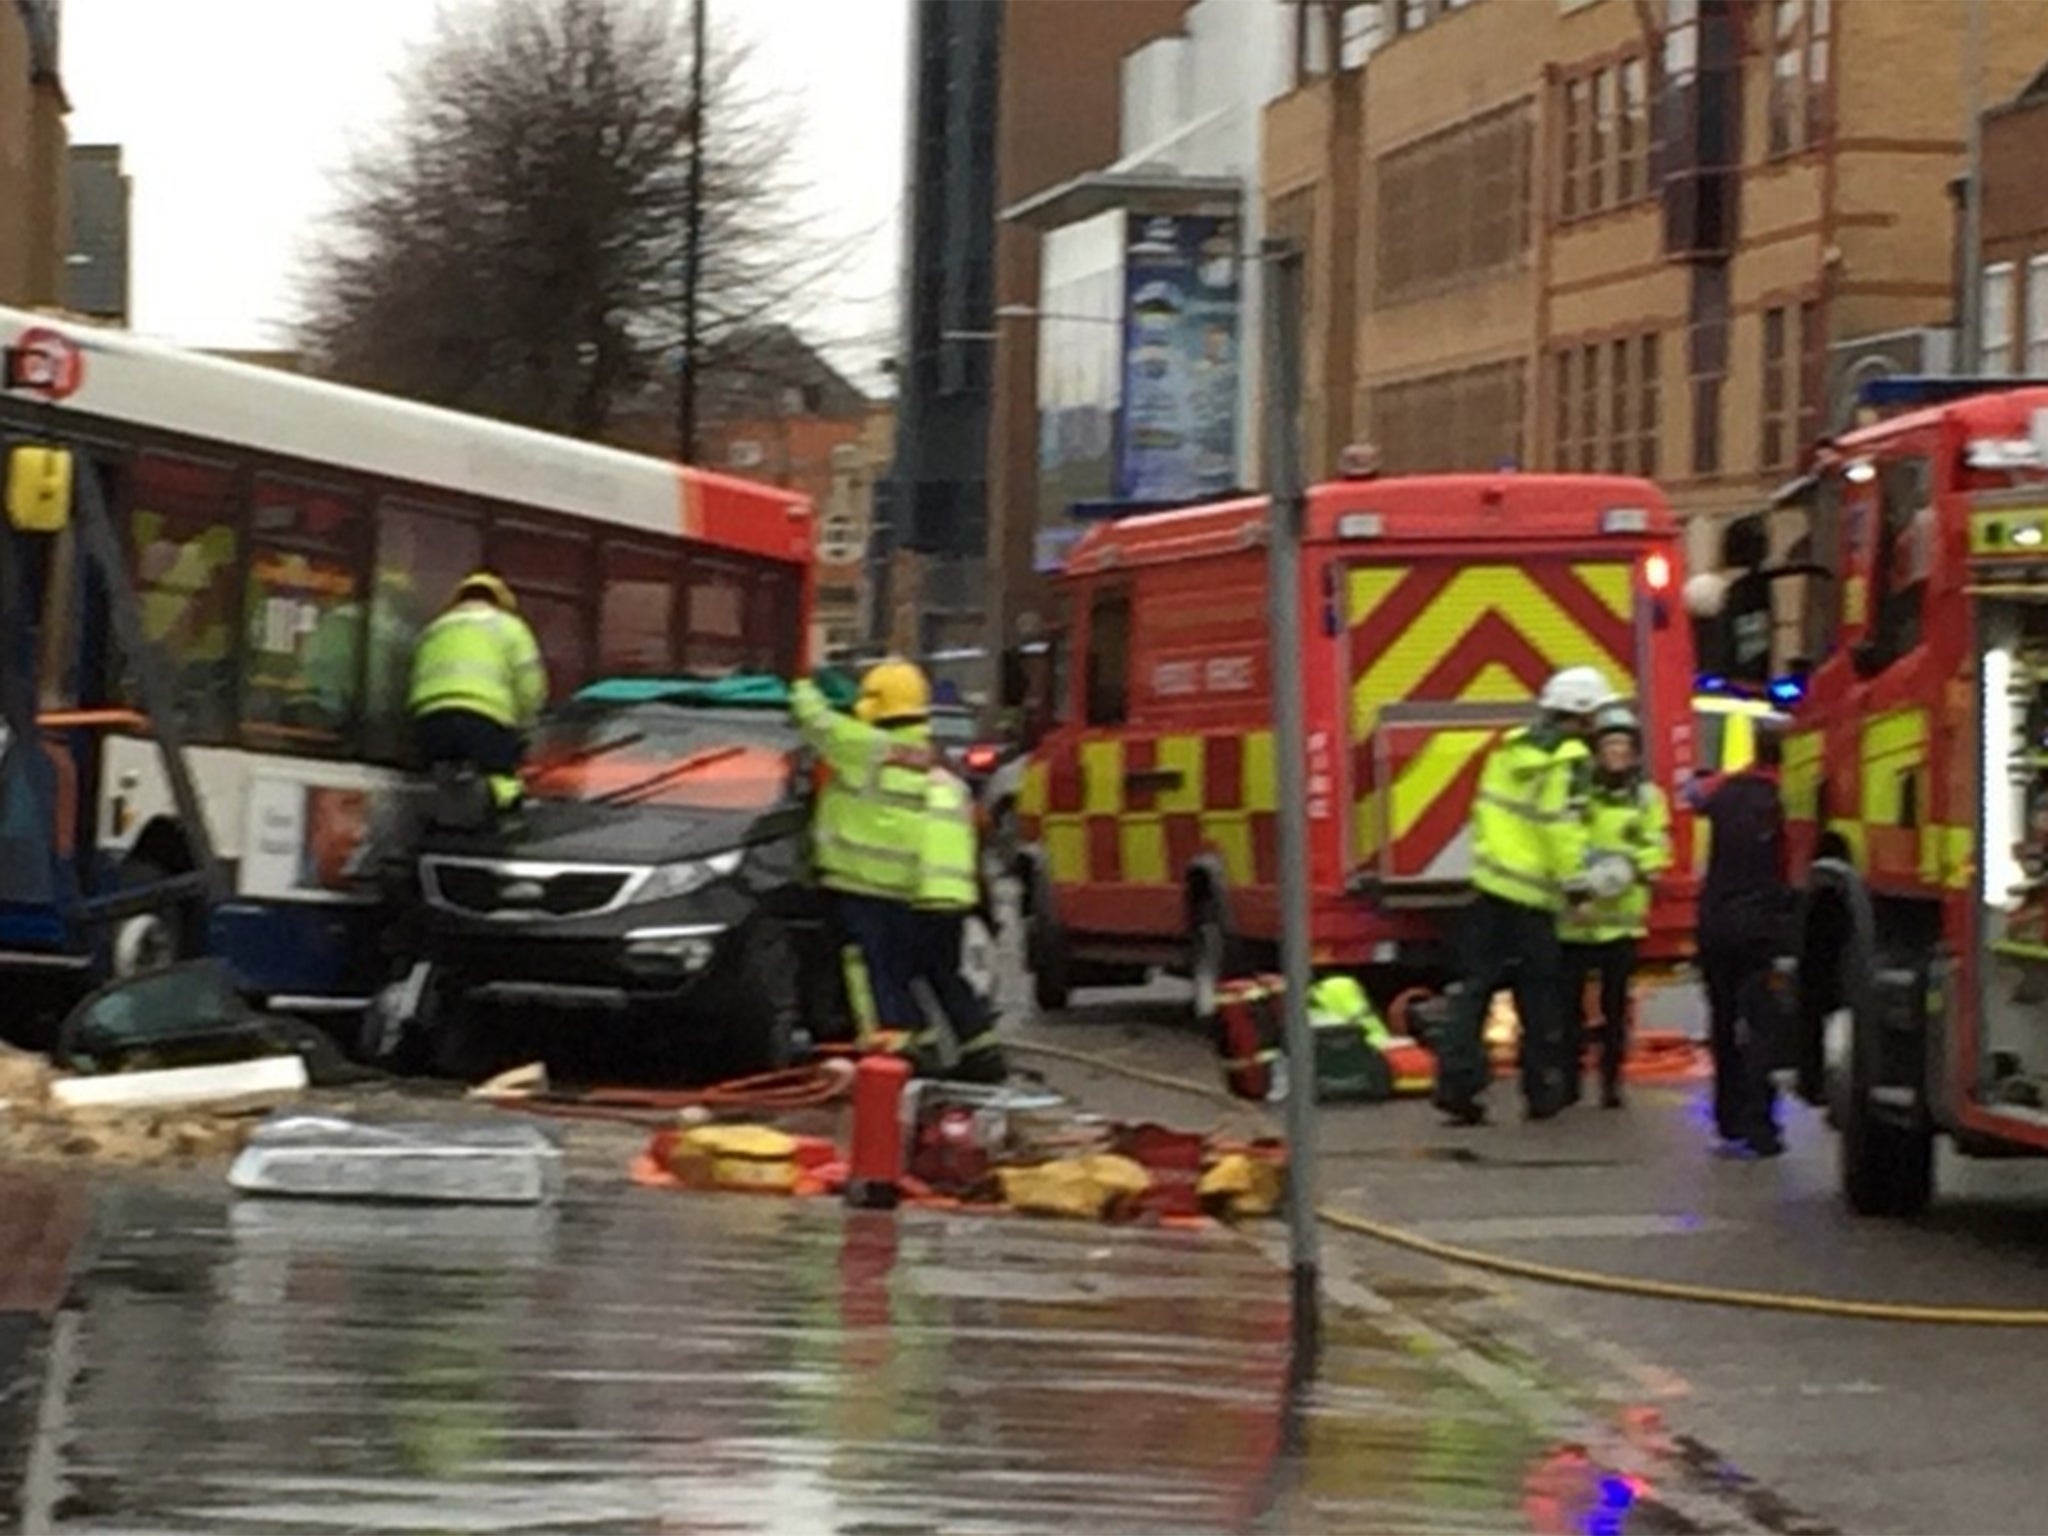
686	380
1290	755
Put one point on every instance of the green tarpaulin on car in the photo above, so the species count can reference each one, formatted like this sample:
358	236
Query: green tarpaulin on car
740	691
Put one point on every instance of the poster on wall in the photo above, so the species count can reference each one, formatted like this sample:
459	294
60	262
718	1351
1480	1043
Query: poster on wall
1178	438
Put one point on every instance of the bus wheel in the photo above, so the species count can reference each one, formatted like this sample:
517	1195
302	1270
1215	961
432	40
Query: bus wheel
1887	1138
151	941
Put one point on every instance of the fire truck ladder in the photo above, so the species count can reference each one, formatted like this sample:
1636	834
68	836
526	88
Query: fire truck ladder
54	913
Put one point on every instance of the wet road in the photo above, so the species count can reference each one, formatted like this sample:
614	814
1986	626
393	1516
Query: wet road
639	1361
1819	1424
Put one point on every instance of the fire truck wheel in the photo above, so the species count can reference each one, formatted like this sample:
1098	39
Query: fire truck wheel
1051	961
1887	1149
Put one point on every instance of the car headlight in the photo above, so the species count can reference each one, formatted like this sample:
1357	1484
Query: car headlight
668	881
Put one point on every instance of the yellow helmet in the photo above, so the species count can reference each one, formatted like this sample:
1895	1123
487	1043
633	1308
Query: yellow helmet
488	585
894	692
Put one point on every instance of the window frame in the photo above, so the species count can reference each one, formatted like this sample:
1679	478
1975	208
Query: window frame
1994	359
1096	713
347	740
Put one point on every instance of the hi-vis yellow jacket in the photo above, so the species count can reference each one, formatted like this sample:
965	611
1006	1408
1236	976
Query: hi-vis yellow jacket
1633	822
1529	820
868	829
479	658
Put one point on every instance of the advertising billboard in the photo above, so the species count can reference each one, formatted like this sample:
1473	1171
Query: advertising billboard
1177	432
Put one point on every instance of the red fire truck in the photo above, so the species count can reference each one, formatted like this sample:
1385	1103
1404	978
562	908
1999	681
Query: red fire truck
1916	778
1433	609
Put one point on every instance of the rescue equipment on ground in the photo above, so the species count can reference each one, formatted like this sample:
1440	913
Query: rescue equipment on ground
1090	1188
751	1159
875	1166
1357	1058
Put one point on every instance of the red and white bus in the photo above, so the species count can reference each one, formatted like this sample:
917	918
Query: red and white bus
287	540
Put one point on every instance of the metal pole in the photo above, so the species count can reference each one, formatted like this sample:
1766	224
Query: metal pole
1282	285
1972	349
686	380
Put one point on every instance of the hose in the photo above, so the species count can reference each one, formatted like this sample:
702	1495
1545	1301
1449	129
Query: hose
806	1087
1396	1236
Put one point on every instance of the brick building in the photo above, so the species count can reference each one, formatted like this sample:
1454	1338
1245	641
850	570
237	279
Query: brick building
34	157
2014	266
1625	234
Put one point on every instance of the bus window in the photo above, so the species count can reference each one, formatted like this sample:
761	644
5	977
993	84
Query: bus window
421	555
1109	658
636	621
776	637
1904	555
715	617
183	528
303	660
550	572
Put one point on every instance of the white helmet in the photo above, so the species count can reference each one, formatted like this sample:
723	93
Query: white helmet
1577	691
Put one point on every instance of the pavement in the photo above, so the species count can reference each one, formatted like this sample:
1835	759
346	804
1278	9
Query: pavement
636	1360
1807	1423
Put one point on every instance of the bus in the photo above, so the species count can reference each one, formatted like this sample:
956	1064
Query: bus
287	539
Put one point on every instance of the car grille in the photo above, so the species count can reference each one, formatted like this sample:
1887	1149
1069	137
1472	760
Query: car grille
492	892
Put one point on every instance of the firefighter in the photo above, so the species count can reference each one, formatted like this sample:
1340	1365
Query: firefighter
868	830
1743	903
1528	858
1628	823
478	684
948	889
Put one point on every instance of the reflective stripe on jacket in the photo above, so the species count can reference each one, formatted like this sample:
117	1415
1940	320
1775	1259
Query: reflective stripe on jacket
1634	823
1528	820
479	658
948	880
868	829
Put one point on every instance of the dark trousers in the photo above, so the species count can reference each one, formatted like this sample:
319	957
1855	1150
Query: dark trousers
1739	1005
1614	962
884	933
1505	946
937	953
463	736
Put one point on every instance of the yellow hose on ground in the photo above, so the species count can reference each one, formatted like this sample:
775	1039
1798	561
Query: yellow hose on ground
1556	1274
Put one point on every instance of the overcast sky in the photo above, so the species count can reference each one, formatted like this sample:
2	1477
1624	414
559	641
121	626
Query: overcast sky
232	113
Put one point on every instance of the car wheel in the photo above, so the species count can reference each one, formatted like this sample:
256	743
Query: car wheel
459	1041
760	1000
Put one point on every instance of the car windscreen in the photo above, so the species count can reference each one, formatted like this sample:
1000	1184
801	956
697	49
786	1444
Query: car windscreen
663	754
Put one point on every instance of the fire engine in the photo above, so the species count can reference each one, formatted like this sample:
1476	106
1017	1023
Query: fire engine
1915	778
1433	609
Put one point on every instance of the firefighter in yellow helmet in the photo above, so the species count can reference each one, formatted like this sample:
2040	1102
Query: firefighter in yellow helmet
868	829
478	684
1528	858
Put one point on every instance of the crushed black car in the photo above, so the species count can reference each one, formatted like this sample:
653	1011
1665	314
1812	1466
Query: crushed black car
656	879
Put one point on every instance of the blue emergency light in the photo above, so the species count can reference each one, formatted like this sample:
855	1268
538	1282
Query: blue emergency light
1787	691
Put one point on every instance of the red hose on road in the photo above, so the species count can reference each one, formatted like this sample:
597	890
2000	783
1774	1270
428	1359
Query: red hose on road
806	1087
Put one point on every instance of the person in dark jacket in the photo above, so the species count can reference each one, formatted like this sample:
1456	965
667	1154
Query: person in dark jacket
1743	905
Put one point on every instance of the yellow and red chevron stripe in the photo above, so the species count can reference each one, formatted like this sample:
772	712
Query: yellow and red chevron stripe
1472	634
1136	810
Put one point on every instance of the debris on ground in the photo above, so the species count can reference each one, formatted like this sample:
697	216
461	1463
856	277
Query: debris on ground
331	1157
264	1083
47	1115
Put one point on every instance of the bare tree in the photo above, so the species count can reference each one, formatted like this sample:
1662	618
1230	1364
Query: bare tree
515	244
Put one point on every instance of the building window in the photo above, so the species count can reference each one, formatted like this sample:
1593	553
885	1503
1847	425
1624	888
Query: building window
1649	407
1564	444
1468	419
1605	407
1606	139
1454	206
839	541
1799	73
1617	407
1706	425
2037	317
1813	377
1994	325
745	454
1778	400
1414	15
